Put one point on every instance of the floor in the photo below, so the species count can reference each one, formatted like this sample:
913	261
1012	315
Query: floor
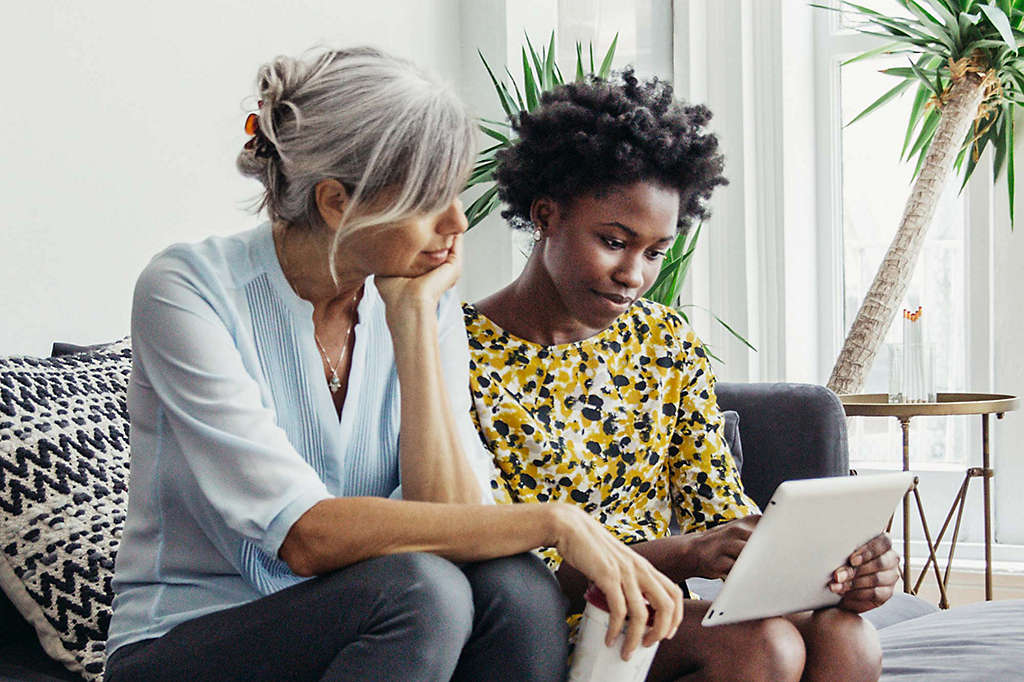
969	586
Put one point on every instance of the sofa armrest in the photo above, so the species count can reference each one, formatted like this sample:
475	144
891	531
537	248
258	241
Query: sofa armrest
788	431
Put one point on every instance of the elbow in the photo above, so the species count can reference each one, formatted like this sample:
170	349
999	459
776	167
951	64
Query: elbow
298	558
299	551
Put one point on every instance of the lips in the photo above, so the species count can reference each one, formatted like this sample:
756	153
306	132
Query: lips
617	299
439	255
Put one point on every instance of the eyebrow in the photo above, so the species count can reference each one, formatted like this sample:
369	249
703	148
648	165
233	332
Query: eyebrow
632	233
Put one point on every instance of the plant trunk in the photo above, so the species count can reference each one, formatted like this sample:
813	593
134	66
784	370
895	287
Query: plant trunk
890	284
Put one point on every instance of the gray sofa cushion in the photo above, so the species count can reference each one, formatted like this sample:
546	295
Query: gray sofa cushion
732	436
980	641
789	431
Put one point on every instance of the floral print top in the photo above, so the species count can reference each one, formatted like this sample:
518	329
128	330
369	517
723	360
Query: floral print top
623	424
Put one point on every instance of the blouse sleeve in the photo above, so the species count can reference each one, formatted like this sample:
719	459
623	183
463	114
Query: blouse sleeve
238	466
501	493
705	484
455	367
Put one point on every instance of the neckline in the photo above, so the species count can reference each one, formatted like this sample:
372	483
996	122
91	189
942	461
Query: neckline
275	272
610	330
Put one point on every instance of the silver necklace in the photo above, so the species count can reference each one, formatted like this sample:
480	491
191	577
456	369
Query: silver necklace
334	382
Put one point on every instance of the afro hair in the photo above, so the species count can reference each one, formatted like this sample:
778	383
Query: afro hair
596	134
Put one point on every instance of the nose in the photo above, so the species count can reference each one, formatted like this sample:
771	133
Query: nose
453	220
629	273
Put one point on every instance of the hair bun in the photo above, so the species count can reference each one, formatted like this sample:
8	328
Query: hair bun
277	79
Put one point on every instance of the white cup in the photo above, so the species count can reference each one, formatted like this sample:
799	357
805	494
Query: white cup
592	661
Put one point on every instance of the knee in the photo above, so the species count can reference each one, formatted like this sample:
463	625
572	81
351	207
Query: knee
520	587
775	651
432	594
846	645
520	613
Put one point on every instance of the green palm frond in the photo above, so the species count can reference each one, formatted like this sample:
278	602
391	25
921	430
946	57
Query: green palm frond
540	74
987	36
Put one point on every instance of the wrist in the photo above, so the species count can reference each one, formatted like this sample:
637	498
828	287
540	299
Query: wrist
687	560
555	523
411	319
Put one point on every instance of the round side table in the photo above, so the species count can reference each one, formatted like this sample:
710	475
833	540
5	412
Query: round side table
984	404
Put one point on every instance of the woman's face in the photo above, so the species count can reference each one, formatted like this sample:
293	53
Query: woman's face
603	250
409	248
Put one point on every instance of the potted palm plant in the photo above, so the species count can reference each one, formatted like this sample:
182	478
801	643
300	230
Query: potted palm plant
967	72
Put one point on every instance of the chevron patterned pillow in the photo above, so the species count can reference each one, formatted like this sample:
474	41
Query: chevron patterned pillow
63	494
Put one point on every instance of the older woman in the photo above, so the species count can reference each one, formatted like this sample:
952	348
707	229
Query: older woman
588	394
293	514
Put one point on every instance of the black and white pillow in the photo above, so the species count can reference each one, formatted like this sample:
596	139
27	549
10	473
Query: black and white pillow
63	495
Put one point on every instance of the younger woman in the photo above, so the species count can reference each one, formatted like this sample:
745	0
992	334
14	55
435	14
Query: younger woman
586	393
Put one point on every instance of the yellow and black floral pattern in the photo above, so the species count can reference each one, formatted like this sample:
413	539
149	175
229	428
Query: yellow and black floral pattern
623	424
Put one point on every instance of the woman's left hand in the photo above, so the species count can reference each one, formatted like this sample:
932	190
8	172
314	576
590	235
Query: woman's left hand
425	289
869	577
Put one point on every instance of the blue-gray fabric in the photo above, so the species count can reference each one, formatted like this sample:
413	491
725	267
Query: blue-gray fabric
406	617
980	641
789	431
732	437
234	434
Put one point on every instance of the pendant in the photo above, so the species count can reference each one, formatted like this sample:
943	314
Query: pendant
334	383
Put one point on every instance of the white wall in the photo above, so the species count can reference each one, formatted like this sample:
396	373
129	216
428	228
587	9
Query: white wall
1008	358
120	124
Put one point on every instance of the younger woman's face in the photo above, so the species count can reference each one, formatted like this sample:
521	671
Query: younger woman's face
603	250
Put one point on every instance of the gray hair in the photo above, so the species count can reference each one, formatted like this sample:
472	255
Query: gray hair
373	122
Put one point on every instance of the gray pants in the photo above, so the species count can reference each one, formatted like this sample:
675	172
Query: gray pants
399	617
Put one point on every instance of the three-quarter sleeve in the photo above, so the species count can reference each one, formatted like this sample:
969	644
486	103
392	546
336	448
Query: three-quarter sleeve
238	473
704	481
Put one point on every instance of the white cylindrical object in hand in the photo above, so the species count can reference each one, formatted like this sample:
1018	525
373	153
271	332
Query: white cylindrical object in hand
592	661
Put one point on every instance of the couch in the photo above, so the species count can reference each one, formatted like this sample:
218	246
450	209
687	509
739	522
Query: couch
63	487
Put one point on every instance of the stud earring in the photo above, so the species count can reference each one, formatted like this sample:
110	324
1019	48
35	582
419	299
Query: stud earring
537	234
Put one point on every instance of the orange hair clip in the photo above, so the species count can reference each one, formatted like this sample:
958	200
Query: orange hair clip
252	124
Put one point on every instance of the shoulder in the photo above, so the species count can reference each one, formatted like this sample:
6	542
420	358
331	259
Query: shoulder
658	322
482	332
206	268
660	325
472	318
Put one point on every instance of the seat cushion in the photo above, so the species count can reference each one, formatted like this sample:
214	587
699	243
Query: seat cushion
980	641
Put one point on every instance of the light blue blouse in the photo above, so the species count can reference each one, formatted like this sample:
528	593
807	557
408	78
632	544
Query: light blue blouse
234	434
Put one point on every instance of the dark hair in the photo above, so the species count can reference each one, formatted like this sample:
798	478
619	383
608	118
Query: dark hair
595	134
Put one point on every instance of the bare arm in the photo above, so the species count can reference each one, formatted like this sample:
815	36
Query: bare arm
433	465
320	541
340	531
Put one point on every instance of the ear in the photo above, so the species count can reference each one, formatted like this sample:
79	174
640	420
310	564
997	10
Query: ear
331	200
544	211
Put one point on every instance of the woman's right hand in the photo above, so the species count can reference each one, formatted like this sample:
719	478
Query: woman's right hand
628	580
713	552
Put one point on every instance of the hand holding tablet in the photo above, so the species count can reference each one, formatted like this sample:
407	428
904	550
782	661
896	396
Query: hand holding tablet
809	528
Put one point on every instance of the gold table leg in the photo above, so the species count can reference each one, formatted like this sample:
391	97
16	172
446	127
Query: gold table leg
905	424
987	488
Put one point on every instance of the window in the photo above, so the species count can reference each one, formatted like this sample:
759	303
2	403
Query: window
644	29
861	198
873	186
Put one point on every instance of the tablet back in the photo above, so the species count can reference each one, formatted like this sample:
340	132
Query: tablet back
808	530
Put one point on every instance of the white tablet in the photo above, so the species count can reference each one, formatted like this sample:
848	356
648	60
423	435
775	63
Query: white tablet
809	529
